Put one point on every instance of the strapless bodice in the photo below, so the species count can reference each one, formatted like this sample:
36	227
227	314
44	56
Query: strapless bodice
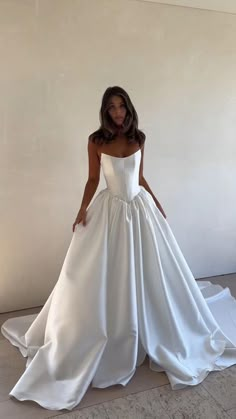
122	174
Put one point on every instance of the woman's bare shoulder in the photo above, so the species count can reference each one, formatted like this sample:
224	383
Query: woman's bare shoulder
93	148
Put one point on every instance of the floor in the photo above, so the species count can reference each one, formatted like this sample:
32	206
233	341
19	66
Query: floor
148	395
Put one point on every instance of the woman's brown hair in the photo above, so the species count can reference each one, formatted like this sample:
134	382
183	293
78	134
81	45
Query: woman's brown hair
108	130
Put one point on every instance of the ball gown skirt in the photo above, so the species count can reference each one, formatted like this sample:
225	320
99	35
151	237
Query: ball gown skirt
124	291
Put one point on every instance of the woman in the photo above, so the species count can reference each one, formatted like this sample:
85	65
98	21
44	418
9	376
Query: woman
118	136
125	290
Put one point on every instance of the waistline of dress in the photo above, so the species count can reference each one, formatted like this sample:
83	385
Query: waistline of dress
119	198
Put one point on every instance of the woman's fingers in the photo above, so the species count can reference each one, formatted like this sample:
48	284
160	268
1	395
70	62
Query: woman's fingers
82	219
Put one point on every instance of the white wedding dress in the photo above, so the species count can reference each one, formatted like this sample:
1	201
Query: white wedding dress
124	291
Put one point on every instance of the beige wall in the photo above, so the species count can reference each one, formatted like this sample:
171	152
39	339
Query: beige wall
57	58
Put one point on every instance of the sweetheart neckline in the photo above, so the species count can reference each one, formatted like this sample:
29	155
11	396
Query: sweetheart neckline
116	157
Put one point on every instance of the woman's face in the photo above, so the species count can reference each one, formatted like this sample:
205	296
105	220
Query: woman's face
117	109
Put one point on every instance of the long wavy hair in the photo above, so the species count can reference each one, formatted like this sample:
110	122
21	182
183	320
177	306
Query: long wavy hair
108	130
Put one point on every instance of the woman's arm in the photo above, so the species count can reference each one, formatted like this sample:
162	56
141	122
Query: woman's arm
143	182
91	184
93	175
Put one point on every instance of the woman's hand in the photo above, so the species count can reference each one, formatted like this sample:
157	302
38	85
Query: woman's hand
80	217
160	207
164	215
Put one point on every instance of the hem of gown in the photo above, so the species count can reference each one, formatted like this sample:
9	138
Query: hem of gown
203	377
123	381
41	403
196	379
28	397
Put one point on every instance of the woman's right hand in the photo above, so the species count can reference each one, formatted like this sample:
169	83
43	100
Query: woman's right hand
80	217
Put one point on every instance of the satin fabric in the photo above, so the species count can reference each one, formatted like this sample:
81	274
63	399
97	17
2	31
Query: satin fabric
124	291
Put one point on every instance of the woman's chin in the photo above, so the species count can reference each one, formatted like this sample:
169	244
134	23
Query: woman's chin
119	124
